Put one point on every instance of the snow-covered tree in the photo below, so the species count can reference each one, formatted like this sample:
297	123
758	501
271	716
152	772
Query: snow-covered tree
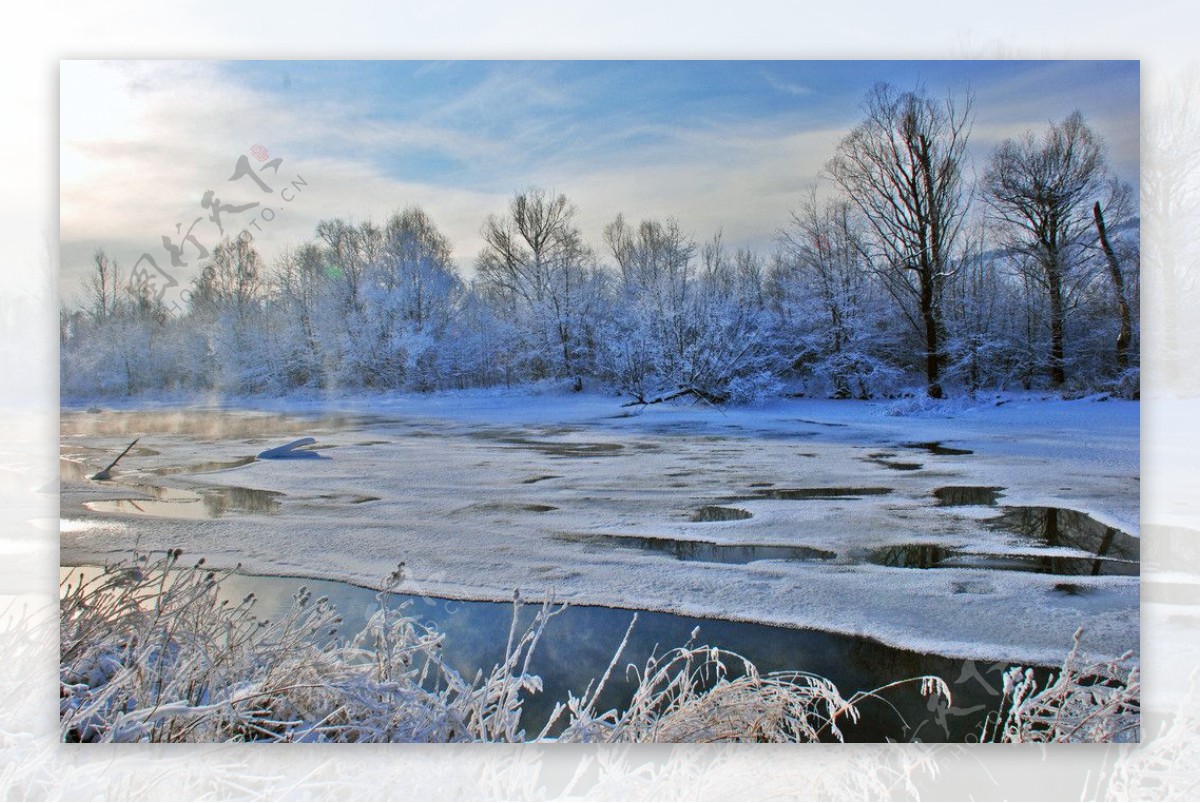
985	309
536	267
300	286
686	318
828	309
409	296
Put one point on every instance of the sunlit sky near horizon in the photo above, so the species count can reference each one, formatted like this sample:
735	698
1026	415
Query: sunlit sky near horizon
729	145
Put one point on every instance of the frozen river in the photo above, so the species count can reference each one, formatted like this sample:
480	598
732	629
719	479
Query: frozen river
986	533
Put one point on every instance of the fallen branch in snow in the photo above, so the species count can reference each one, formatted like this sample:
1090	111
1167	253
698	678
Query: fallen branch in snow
106	473
702	395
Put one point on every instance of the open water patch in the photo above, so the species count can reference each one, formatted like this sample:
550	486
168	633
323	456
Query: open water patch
703	551
894	465
936	448
201	503
938	556
968	495
508	507
1062	527
564	449
206	467
710	513
849	492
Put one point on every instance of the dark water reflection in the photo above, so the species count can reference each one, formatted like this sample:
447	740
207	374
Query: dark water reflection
715	513
819	493
205	467
934	556
1110	551
896	465
202	503
1054	527
561	449
702	551
964	495
910	556
935	447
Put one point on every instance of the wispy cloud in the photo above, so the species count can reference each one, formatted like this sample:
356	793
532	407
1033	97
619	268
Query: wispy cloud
786	87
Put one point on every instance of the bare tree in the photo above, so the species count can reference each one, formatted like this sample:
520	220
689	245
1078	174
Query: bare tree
903	168
1042	191
104	286
525	248
823	244
233	275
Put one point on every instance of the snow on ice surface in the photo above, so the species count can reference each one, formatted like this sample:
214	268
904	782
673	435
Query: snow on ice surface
484	493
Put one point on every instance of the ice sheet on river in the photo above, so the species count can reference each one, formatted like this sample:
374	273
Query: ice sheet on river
482	494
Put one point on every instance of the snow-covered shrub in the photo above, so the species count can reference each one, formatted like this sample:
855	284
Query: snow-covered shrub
1128	384
854	375
754	389
975	362
919	403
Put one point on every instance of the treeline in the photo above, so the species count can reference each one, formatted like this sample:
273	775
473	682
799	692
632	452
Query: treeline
910	277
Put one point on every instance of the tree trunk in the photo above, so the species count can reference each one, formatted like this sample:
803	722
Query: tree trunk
1058	371
1125	335
929	317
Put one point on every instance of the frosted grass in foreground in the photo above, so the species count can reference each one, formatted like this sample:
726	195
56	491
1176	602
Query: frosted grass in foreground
149	652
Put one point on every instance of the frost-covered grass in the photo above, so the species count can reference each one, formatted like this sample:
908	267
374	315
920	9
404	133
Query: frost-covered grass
1085	702
150	652
689	695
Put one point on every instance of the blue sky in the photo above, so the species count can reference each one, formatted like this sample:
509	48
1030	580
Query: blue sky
611	113
723	144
